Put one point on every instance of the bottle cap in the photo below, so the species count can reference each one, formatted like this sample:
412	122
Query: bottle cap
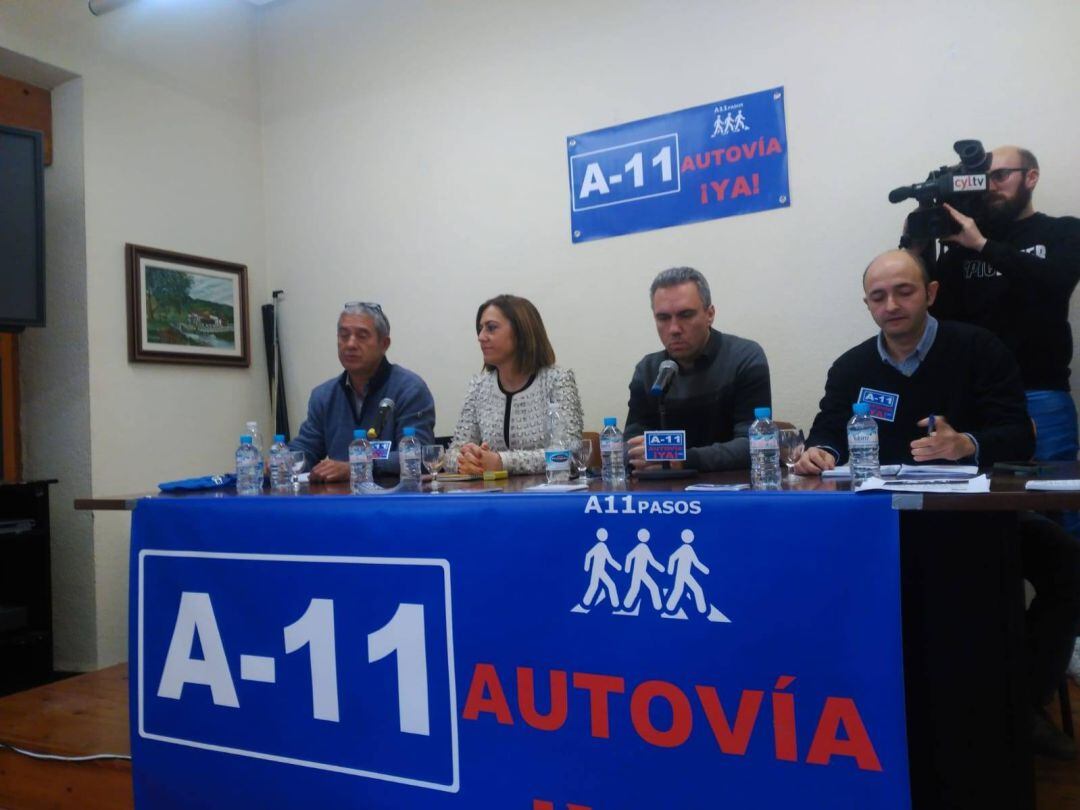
245	439
860	408
609	420
359	433
409	431
279	437
763	413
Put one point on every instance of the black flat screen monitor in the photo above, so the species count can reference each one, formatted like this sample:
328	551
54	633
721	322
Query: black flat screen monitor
22	229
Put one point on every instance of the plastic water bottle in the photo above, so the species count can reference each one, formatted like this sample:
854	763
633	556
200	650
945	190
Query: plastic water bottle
556	447
409	459
764	451
279	463
249	468
361	476
612	453
862	442
252	429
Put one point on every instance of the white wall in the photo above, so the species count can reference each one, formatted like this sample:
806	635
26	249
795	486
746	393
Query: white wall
414	154
172	159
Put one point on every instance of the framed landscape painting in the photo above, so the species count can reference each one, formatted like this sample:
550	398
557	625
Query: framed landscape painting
186	309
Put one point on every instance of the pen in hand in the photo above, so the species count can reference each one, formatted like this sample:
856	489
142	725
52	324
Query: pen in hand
930	425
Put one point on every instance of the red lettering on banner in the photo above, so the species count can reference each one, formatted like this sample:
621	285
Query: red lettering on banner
730	154
541	804
783	709
719	188
857	745
556	717
731	741
682	721
599	686
840	730
486	695
741	188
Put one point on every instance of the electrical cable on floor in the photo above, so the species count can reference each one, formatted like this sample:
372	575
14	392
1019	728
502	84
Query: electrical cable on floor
58	757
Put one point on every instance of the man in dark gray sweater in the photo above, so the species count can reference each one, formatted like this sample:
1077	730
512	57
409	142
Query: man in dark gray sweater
721	379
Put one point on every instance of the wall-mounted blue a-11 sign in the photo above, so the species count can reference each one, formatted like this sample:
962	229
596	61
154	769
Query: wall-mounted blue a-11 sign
716	160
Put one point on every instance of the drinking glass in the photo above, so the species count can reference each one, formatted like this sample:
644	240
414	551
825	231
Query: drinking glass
582	453
434	457
792	444
297	462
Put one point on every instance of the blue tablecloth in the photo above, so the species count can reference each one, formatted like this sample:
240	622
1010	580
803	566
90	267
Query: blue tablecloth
611	651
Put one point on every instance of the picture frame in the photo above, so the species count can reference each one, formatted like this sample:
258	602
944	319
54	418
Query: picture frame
186	309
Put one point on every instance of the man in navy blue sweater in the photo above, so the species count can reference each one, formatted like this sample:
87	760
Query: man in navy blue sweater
917	366
351	400
966	377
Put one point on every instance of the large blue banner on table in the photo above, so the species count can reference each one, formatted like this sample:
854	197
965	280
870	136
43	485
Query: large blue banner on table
717	160
607	651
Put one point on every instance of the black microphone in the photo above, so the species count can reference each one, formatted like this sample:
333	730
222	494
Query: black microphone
386	407
664	375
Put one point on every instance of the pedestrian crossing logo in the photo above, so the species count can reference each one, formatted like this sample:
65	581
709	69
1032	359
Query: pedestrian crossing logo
673	593
726	122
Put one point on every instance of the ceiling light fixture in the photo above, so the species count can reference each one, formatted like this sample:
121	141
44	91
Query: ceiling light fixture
99	7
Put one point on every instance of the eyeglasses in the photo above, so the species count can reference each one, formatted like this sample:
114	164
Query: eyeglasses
367	304
1001	175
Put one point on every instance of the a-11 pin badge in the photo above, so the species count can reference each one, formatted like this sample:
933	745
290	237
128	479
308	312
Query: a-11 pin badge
665	445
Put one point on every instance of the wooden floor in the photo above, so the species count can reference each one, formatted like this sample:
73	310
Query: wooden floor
1057	784
88	714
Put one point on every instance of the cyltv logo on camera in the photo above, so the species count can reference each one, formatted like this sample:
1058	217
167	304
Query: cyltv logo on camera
969	182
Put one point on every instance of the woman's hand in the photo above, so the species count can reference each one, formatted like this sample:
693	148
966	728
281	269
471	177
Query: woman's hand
476	459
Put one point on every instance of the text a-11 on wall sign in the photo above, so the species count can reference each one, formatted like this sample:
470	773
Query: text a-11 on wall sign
717	160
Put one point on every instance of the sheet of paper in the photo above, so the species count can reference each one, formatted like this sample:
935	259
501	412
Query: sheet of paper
1055	485
977	484
717	487
937	471
844	471
556	487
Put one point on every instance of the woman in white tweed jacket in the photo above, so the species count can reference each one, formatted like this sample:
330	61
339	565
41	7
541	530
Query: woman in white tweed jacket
502	423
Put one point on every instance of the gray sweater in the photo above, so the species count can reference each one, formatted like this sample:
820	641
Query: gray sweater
713	402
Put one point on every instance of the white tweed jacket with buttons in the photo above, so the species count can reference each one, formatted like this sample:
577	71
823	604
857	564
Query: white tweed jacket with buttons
485	405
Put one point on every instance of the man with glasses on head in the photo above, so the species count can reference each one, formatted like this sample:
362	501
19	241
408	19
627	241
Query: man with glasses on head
721	379
352	400
1012	271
